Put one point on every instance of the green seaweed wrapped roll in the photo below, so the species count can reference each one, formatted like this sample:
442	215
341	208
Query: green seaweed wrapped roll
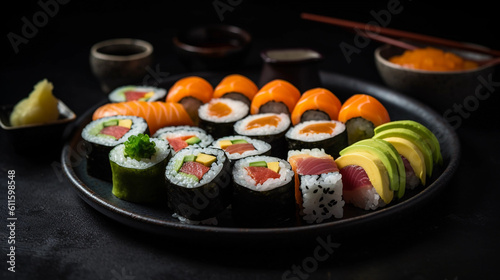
264	191
138	167
102	135
199	183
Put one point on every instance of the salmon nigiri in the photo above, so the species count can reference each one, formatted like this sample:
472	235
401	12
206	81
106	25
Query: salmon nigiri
236	87
157	114
277	96
191	92
361	113
316	104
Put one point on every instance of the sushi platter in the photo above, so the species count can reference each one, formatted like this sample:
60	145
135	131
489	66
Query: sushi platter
138	211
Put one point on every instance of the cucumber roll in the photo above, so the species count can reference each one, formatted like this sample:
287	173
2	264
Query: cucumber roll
180	137
328	135
218	116
101	135
238	147
318	185
138	166
268	127
263	191
199	183
139	93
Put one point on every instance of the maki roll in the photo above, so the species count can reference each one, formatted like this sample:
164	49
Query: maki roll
138	167
318	185
237	87
238	147
139	93
277	96
191	92
329	135
101	135
263	191
268	127
180	137
218	116
199	183
316	104
361	113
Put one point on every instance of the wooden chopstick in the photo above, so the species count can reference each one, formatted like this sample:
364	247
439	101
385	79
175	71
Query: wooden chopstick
399	33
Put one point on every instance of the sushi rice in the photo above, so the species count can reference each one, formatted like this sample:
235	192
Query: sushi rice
162	151
174	177
118	94
91	132
284	124
294	132
321	194
261	147
241	177
176	131
238	110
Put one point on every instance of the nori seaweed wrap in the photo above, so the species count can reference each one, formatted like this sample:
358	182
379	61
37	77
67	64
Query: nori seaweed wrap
199	183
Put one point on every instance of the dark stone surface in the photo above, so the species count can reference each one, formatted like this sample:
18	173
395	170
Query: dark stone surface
58	236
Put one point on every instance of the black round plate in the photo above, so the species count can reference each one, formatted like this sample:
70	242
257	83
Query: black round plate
159	220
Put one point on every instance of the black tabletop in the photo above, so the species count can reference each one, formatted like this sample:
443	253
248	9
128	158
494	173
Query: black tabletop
56	235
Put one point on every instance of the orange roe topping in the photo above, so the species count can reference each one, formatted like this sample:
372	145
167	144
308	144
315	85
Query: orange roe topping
260	122
432	59
316	128
219	109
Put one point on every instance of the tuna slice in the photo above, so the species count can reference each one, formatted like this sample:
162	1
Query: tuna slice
412	180
115	131
357	188
261	174
132	95
178	143
194	168
239	148
310	165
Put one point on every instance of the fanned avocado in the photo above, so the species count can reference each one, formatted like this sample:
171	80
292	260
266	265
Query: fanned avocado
415	138
423	131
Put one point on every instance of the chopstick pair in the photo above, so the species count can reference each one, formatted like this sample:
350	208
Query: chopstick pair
377	32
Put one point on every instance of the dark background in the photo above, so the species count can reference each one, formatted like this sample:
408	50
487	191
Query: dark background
61	237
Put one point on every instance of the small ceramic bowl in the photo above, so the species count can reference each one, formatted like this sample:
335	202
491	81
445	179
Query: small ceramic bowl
212	47
36	139
121	61
438	89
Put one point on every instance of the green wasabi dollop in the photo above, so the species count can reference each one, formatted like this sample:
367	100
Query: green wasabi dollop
139	147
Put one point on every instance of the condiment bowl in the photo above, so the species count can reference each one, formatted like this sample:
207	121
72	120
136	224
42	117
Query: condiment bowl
441	90
212	47
36	139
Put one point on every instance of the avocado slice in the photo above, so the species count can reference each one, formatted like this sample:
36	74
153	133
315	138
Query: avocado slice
193	140
389	157
189	158
110	123
239	141
189	176
258	164
412	153
415	139
423	131
178	164
375	170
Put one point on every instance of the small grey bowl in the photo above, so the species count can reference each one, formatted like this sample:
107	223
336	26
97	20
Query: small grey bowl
438	89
